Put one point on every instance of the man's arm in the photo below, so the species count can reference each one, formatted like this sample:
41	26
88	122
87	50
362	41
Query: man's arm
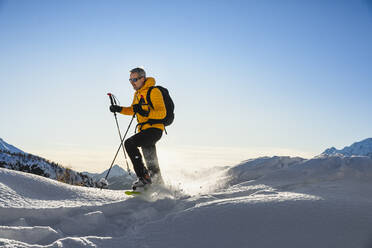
127	111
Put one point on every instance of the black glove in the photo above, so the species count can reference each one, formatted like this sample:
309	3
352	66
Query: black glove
138	109
115	108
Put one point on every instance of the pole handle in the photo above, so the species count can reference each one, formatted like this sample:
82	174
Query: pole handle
111	99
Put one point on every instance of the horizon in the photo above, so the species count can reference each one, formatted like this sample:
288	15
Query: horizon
201	158
248	78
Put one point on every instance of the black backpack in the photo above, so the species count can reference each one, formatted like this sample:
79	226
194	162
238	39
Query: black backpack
169	105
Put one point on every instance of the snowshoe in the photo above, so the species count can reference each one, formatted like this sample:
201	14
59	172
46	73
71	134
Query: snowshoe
142	182
132	193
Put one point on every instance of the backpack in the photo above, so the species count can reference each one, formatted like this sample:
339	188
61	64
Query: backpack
169	106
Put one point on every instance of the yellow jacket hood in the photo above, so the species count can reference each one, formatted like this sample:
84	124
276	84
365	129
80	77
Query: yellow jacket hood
159	110
150	81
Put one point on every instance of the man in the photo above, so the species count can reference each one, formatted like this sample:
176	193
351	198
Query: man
148	134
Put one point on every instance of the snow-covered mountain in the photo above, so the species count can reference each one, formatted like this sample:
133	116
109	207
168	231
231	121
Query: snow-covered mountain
265	202
9	148
118	178
115	171
15	159
362	148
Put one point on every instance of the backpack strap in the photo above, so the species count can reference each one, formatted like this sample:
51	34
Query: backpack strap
148	98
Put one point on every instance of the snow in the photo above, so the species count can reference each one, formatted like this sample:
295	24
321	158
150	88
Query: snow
13	158
361	148
116	171
263	202
118	177
9	148
36	234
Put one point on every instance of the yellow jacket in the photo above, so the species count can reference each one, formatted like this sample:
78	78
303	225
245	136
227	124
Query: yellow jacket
159	110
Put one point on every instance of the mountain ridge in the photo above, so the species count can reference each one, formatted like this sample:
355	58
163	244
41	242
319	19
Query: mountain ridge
360	148
4	146
15	159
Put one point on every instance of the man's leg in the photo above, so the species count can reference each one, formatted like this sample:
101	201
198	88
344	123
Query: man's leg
152	163
146	137
131	146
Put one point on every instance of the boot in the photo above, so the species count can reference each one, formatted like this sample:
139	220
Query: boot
142	182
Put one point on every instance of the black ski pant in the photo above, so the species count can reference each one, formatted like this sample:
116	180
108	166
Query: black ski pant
145	139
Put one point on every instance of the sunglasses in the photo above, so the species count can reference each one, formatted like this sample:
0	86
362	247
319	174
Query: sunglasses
133	80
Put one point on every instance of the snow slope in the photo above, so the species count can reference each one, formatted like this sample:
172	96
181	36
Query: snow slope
264	202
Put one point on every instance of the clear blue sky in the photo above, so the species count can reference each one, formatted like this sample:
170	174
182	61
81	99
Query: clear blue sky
273	77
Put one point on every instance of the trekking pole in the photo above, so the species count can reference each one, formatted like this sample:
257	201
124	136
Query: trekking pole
121	142
113	102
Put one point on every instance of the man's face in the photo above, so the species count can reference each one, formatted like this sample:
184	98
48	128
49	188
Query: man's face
136	81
